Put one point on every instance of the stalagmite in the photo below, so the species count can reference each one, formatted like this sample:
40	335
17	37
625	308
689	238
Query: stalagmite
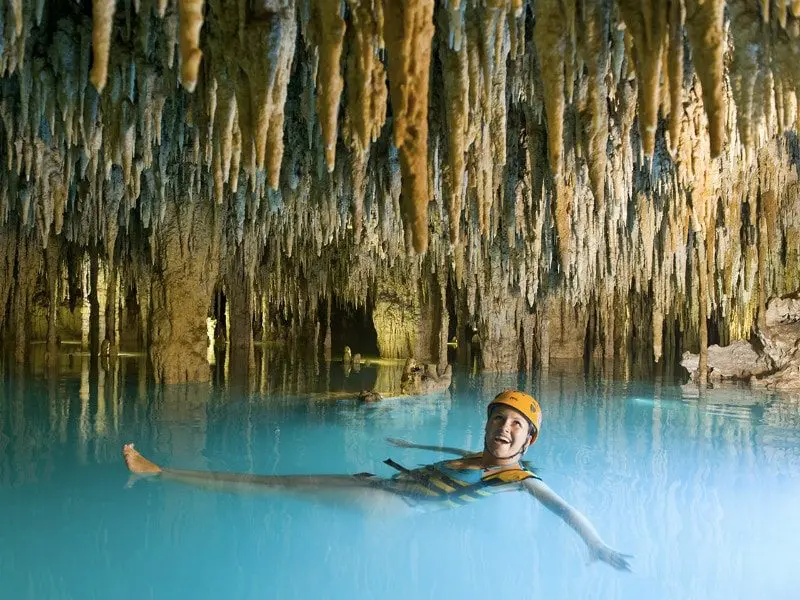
52	257
702	312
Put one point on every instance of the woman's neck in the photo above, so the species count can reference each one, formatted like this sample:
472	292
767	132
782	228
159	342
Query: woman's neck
489	461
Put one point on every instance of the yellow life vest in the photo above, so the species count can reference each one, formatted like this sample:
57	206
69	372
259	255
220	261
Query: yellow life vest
453	486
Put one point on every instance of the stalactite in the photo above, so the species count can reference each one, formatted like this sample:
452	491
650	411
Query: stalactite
647	24
453	55
191	21
408	32
551	44
596	57
675	74
329	31
103	18
515	140
270	48
704	24
366	97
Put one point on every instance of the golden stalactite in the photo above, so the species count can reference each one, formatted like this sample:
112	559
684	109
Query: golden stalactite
704	26
270	46
551	41
366	75
191	22
408	31
647	24
551	45
329	29
102	24
746	64
16	9
509	154
366	95
595	54
161	7
675	74
455	71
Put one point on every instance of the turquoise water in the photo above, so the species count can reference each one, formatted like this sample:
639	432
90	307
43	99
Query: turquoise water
703	492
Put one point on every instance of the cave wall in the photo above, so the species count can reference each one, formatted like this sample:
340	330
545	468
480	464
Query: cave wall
531	155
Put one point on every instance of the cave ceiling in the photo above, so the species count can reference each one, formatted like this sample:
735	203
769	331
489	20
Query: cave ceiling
528	149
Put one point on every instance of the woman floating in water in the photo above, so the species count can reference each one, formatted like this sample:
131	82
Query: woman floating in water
512	426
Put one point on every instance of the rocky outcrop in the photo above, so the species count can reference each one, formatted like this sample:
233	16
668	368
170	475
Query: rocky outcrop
772	361
420	379
737	361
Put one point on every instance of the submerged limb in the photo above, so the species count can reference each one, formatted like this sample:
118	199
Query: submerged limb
359	491
400	443
598	550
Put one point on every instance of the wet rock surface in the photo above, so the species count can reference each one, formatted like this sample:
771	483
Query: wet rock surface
420	379
772	361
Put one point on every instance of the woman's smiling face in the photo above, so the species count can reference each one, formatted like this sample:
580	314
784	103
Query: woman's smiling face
507	434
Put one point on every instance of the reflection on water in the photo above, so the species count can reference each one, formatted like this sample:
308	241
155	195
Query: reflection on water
701	488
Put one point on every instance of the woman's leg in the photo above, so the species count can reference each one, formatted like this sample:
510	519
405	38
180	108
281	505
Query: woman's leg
348	489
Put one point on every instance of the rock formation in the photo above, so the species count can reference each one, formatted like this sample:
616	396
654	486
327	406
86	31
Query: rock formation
620	175
419	379
770	361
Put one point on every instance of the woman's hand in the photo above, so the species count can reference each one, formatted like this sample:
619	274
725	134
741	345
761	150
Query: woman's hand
609	556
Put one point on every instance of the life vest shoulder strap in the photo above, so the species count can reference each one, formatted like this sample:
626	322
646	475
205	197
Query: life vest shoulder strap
510	476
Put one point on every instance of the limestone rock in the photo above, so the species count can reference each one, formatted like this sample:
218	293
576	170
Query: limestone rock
369	396
420	380
738	360
780	335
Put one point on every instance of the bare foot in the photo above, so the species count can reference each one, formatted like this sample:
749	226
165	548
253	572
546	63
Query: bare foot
137	463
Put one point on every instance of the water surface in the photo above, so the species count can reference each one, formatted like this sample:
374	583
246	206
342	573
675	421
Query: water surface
703	491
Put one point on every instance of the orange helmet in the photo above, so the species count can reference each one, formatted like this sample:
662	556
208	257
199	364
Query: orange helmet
524	404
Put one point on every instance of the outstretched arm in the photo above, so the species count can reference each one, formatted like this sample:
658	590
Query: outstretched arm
556	504
406	444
